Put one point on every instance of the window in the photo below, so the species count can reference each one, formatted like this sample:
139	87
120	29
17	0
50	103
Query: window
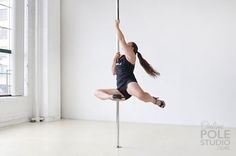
5	48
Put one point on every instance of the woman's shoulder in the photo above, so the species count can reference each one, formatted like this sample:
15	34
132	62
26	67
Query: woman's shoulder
131	61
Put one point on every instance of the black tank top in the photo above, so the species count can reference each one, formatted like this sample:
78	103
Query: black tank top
124	72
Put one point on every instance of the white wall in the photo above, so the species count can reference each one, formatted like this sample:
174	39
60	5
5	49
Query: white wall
42	51
17	109
191	43
54	60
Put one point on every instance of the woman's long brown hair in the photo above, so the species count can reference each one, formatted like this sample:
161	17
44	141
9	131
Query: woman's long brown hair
147	67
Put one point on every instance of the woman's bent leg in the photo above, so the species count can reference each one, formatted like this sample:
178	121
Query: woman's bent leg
106	94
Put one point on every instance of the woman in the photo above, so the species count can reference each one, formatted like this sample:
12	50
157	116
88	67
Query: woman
123	67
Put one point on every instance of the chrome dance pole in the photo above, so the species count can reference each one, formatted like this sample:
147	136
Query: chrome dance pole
117	101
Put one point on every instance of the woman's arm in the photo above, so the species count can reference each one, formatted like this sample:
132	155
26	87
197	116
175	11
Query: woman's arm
130	55
113	68
115	59
120	35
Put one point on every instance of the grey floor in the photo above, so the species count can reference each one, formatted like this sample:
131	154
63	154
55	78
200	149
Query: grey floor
91	138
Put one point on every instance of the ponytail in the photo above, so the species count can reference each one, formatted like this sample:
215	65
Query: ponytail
147	67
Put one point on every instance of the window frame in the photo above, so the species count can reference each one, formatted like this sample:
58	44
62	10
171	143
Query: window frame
16	48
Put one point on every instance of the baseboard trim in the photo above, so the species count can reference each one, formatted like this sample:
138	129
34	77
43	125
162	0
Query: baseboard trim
20	120
13	122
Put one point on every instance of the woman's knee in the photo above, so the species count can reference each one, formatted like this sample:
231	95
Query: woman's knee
97	92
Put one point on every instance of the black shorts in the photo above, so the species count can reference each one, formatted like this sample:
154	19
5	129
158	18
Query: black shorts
123	89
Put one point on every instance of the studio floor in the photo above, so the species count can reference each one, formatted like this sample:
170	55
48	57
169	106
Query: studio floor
93	138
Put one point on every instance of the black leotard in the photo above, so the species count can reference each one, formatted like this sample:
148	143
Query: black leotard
124	75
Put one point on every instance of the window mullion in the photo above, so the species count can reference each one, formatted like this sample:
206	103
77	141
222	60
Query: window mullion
8	28
5	5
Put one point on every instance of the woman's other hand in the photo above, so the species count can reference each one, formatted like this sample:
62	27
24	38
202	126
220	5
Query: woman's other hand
117	56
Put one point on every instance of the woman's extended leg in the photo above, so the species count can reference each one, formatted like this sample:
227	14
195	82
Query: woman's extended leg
135	90
105	94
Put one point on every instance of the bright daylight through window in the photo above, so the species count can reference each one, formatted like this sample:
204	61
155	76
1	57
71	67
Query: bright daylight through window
5	47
